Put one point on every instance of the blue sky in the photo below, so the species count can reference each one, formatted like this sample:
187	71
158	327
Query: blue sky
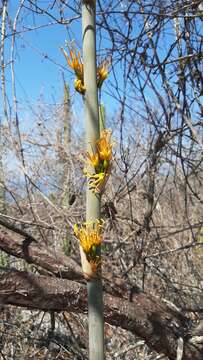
38	61
39	64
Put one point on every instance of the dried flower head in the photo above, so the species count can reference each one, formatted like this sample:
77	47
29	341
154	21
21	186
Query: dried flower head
95	265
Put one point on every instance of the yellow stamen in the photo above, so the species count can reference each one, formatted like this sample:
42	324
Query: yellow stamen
100	160
97	181
89	235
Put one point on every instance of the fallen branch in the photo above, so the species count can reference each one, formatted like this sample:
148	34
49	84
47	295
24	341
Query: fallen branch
30	250
146	317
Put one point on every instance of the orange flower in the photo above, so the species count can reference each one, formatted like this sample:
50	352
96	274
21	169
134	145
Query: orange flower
102	73
104	146
75	62
93	159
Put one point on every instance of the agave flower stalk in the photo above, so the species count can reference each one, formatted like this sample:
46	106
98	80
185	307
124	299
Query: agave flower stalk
93	200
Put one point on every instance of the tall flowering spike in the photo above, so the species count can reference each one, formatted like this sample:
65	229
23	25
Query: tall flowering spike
89	235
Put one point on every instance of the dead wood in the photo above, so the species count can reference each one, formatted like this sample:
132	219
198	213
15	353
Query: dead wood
144	315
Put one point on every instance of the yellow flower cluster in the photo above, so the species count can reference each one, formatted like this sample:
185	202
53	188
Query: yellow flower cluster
74	60
89	235
100	160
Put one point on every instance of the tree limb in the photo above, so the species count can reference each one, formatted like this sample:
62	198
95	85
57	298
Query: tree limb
146	317
30	250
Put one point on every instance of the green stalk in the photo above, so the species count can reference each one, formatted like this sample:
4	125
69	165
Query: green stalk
93	201
102	116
